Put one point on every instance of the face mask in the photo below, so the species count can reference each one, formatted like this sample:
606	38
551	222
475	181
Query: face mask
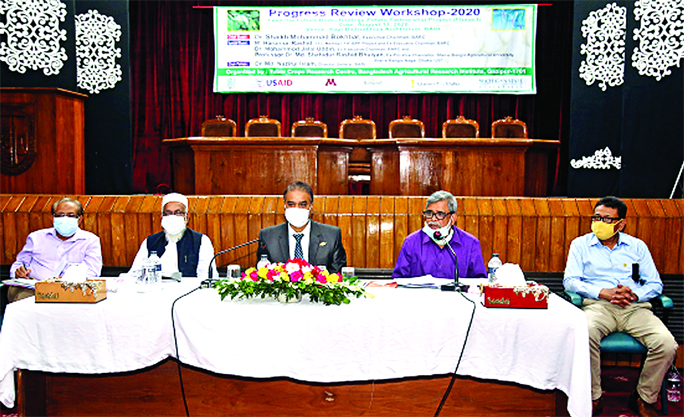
65	226
445	232
173	225
604	231
297	217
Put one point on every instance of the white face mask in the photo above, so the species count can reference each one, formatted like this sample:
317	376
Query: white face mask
297	217
173	225
445	232
65	226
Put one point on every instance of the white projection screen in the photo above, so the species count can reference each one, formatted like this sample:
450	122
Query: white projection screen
376	49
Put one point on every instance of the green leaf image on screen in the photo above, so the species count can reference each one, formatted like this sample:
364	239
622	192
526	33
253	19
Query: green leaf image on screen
508	19
243	20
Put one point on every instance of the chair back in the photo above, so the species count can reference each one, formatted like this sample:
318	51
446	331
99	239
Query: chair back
309	128
262	127
509	128
357	128
220	126
460	127
406	127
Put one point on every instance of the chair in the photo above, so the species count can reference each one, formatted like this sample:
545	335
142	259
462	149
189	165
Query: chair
359	159
406	127
262	127
460	127
619	342
357	128
220	126
509	128
309	128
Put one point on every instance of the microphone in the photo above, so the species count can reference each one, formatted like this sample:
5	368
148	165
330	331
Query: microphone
456	285
635	274
209	282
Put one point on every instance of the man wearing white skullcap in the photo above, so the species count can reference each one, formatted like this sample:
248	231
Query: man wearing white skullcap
180	248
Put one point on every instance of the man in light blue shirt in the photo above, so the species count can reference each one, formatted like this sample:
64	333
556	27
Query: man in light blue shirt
599	267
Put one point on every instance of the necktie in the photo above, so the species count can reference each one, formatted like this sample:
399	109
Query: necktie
298	254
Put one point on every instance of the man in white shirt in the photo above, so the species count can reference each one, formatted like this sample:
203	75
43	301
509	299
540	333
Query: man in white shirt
180	248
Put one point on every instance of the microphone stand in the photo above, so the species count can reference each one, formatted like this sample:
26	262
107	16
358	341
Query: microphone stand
456	285
209	282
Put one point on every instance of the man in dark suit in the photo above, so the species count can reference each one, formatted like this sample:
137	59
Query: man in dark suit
300	237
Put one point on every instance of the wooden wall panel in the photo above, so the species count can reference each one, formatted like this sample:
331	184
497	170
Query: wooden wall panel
533	232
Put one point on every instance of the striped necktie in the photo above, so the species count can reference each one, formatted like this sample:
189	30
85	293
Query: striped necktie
298	253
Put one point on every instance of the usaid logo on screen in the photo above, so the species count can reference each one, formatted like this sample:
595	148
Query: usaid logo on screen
273	82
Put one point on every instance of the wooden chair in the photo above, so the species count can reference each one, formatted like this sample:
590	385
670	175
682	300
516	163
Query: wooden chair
622	343
360	159
460	127
406	127
220	126
309	128
357	128
262	127
509	128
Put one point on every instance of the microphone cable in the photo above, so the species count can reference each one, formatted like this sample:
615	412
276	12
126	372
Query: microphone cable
208	283
175	343
453	378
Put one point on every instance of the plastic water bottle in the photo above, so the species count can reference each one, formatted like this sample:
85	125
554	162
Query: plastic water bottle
156	262
492	266
674	386
263	261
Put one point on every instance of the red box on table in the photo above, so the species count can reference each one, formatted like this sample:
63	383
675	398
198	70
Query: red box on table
530	296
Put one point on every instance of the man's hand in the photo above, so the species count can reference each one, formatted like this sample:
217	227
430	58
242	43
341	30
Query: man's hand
22	272
622	296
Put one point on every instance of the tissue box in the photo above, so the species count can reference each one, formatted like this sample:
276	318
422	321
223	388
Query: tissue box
530	296
90	291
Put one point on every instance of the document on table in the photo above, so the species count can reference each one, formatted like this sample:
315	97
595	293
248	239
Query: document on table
426	281
21	282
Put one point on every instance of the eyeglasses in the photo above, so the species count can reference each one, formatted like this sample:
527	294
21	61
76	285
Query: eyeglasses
173	213
69	215
440	215
604	219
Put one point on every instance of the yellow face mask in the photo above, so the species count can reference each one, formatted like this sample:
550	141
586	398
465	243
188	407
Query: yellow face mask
604	231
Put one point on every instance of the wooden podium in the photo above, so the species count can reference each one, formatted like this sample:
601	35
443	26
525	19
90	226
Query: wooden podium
42	141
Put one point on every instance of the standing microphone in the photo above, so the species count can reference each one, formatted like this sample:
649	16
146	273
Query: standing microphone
456	285
209	282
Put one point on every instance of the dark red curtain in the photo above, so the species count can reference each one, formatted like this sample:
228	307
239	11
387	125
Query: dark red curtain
172	61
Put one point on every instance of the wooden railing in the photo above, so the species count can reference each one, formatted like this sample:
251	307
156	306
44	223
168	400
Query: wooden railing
532	232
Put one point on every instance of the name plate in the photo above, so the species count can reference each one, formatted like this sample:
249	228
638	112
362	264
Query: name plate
90	291
531	296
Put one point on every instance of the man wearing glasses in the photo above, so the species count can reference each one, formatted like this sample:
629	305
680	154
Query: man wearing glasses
49	252
599	268
180	248
300	237
424	252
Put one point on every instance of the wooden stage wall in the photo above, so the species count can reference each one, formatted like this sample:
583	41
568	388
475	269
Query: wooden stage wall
532	232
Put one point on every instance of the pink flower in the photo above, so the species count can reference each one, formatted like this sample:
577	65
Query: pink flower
296	276
321	278
254	276
271	274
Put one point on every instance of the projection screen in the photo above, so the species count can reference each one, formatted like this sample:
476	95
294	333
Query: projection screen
376	49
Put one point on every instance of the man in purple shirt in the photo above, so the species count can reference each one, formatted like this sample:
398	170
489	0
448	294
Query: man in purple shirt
48	252
425	253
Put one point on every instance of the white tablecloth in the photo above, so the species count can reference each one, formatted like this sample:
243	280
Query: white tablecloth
399	333
125	332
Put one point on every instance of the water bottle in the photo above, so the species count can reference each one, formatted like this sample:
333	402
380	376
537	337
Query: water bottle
674	386
156	262
263	261
492	266
148	277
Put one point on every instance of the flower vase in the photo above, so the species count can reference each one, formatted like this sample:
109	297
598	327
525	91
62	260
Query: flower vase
282	298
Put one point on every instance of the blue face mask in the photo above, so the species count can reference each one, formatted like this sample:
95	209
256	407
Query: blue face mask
65	226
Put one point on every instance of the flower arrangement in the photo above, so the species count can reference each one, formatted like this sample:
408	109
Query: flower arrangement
290	281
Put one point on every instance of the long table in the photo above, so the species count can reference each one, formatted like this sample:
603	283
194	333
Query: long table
400	166
376	356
